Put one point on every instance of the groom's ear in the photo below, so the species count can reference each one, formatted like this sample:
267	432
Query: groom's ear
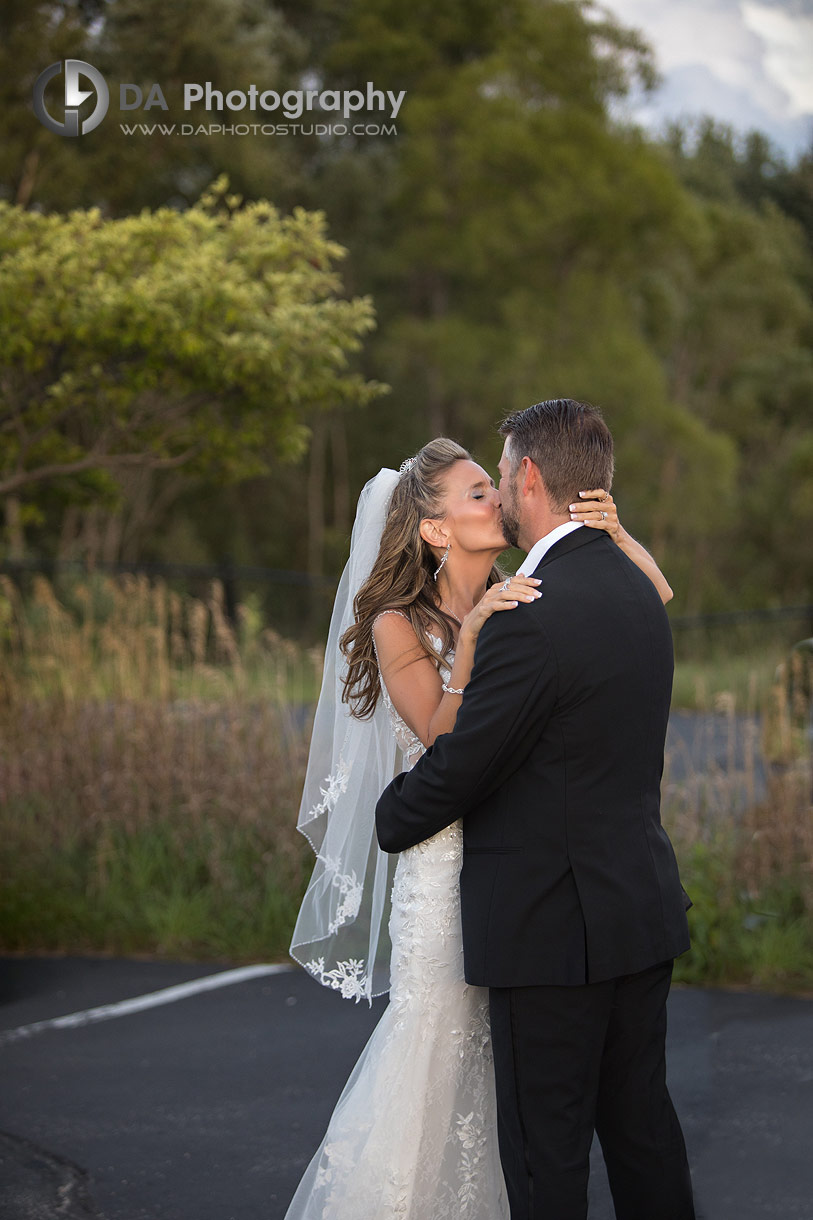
529	478
432	532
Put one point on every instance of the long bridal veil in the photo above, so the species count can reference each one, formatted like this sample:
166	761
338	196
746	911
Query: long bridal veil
341	934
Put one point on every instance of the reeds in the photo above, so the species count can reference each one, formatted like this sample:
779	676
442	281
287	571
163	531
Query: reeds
129	638
742	824
151	762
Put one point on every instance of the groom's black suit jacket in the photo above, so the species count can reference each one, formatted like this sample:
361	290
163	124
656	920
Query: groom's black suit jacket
555	764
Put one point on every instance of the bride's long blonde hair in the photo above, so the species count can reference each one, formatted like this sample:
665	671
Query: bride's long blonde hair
402	577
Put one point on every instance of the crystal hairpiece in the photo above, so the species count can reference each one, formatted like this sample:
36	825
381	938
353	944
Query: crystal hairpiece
406	466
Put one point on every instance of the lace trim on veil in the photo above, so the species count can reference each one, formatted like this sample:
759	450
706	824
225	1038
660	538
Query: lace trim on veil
350	976
341	935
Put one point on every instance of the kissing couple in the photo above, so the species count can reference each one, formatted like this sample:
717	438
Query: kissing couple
483	796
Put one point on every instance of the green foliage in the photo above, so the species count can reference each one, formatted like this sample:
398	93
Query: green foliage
763	939
32	36
219	893
525	246
737	339
198	339
530	246
518	241
232	43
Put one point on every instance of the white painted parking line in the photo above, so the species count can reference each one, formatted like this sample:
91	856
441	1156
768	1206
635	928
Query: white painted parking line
153	999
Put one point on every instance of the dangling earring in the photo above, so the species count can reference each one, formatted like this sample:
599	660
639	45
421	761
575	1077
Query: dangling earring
443	560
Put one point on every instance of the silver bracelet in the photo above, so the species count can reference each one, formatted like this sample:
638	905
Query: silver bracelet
451	690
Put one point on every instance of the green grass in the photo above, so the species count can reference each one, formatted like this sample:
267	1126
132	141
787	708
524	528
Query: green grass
763	938
221	893
217	893
739	659
748	679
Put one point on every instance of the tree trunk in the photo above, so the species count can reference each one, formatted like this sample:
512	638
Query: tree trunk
68	533
341	476
163	492
27	178
664	504
694	593
15	534
434	402
316	517
111	537
90	537
438	296
136	513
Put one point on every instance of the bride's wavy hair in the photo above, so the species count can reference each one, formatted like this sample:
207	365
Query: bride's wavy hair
402	577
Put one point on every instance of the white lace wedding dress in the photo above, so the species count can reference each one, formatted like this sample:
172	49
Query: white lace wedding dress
414	1133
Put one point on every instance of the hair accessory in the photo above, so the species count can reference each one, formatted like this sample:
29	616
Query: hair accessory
406	466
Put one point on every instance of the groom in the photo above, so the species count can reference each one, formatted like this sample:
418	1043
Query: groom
571	902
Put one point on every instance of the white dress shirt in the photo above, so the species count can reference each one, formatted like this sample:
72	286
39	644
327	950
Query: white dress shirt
540	548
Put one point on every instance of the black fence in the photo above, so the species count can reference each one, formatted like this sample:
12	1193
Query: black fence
298	604
770	632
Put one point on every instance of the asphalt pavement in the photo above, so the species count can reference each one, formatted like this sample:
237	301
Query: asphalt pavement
209	1107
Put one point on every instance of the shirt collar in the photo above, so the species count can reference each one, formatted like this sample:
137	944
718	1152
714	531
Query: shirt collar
541	548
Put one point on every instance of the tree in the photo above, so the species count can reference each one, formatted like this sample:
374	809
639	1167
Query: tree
510	233
229	42
736	337
33	34
518	242
196	341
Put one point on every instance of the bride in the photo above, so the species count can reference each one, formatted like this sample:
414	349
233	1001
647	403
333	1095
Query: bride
414	1133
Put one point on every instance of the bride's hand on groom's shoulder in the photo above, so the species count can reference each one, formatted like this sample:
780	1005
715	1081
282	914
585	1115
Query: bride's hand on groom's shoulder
597	509
504	596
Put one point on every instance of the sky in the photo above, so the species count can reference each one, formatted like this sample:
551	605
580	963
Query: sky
748	63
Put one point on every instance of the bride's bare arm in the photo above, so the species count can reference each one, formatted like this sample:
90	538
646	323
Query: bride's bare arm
642	558
412	681
595	502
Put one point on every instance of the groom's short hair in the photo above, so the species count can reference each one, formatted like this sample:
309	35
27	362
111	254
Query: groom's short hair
569	442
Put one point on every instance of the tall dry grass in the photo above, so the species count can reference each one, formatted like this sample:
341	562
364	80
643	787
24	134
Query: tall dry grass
151	762
129	638
150	772
743	829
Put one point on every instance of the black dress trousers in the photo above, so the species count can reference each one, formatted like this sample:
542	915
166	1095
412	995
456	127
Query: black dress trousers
569	1060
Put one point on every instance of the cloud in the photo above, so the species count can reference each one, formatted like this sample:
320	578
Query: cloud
795	8
788	58
748	63
694	90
